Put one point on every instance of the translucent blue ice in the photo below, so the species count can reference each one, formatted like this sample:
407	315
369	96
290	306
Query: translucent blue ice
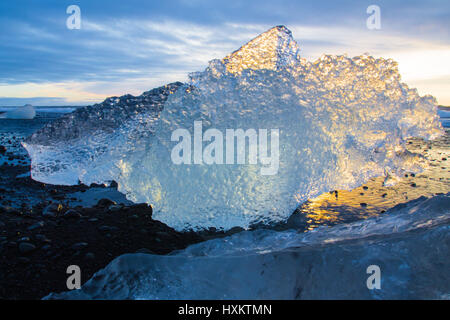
341	121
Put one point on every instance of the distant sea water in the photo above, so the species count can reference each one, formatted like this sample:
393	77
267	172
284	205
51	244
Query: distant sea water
444	114
13	131
45	109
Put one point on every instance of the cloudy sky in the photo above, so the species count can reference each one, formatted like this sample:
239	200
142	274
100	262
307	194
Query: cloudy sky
132	46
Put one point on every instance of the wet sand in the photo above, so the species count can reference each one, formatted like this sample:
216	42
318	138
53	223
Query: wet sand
373	198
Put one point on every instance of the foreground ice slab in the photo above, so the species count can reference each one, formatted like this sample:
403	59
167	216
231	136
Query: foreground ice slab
410	244
339	121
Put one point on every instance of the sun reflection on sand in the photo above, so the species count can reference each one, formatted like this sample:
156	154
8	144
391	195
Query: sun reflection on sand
373	198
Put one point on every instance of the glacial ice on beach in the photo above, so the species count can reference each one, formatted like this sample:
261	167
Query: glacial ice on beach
410	244
341	121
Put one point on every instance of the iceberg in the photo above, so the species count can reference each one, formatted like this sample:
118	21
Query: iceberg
409	244
26	112
338	120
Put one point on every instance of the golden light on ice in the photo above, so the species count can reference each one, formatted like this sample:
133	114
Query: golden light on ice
263	52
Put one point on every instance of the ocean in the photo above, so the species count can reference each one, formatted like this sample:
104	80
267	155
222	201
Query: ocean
13	131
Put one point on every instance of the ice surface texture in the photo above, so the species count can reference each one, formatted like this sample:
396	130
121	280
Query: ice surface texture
410	244
341	121
87	144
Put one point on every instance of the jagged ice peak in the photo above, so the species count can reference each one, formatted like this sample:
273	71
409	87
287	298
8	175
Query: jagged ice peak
270	50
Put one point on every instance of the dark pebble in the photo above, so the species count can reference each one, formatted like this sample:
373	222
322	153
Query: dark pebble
52	209
11	210
39	224
103	203
89	256
114	184
145	250
23	260
40	237
72	214
79	245
25	247
108	228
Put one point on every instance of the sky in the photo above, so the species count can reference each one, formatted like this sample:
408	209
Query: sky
132	46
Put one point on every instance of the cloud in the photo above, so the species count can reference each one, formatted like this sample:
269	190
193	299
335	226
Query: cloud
133	46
